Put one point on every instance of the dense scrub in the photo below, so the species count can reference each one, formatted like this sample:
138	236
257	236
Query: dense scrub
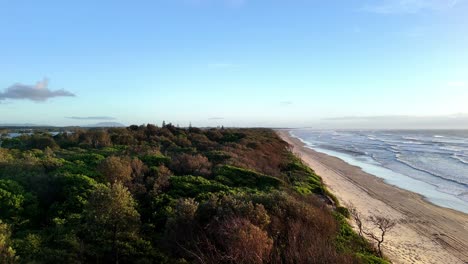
147	194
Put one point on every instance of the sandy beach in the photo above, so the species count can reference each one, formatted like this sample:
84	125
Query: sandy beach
425	233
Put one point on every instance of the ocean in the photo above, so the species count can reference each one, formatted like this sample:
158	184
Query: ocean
433	163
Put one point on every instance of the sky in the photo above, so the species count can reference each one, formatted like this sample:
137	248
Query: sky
295	63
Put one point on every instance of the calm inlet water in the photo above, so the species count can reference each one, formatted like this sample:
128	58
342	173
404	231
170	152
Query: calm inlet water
433	163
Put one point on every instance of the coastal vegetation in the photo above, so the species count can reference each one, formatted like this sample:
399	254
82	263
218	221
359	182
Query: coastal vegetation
149	194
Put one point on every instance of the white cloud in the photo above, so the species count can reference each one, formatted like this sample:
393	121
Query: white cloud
409	6
39	92
453	121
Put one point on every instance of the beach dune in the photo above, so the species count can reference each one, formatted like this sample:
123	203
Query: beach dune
425	233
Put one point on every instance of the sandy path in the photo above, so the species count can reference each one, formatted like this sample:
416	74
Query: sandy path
426	233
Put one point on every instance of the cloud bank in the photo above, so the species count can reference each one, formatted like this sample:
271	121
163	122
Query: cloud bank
38	93
455	121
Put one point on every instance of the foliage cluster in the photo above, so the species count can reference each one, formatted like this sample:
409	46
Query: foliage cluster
148	194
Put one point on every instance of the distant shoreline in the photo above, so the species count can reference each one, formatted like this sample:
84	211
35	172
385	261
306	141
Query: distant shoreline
427	233
427	190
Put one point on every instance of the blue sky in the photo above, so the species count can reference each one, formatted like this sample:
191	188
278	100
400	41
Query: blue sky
231	62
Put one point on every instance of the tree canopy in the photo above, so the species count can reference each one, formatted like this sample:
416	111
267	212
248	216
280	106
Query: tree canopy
149	194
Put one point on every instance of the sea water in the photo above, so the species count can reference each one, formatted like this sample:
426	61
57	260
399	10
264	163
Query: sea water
433	163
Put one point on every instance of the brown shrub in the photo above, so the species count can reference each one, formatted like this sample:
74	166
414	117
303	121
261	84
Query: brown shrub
201	142
160	181
95	138
138	168
243	242
267	156
116	169
182	141
185	164
308	234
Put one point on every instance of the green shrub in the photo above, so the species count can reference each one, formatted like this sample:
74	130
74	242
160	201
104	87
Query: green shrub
90	159
155	160
271	212
371	259
343	211
238	177
191	186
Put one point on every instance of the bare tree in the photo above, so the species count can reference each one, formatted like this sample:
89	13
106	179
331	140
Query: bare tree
384	225
356	217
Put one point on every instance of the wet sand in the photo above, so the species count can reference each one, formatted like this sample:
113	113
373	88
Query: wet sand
425	233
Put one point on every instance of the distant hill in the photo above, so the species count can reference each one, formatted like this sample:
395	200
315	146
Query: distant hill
106	124
36	126
23	125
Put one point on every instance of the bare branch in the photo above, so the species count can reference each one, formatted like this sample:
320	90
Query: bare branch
384	225
356	217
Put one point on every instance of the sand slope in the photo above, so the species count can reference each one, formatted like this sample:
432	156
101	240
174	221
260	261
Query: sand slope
426	233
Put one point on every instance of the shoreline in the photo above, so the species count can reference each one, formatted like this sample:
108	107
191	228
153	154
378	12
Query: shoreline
426	233
428	192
